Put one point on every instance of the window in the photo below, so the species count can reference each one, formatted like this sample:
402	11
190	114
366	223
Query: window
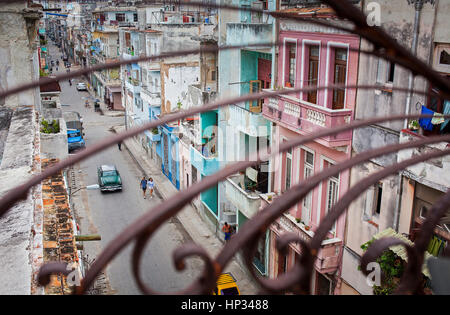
439	105
291	54
127	39
255	105
194	175
332	193
135	17
120	17
340	77
378	198
391	72
313	73
308	170
288	169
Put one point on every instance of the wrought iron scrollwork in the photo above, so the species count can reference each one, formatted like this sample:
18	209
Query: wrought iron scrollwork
297	280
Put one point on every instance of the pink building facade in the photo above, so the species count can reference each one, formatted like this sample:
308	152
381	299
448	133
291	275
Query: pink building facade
312	59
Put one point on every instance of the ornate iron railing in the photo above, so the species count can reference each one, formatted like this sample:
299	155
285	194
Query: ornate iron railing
297	280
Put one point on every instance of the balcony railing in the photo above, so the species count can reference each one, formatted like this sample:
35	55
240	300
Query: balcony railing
253	124
247	202
308	118
298	279
327	257
135	89
204	165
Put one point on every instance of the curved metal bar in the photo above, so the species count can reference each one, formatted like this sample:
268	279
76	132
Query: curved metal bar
412	282
50	268
207	279
290	281
169	208
379	246
262	220
343	8
394	51
378	36
19	192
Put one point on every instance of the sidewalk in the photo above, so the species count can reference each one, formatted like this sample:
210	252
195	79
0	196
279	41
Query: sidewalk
188	217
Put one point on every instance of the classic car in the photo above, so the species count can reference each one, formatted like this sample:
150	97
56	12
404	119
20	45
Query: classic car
109	178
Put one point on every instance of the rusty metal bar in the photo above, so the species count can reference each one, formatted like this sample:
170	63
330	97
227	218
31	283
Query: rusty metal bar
297	280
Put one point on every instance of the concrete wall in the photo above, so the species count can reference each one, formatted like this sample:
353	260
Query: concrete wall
397	18
175	83
362	221
55	146
19	61
16	238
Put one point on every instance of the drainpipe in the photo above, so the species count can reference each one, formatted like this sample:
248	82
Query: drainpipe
418	5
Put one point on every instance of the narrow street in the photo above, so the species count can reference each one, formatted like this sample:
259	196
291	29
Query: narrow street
108	214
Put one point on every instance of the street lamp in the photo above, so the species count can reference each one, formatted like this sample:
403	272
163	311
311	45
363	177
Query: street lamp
90	187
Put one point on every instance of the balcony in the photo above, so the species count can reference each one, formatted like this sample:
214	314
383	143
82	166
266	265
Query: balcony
307	118
327	260
205	165
250	123
251	33
246	201
153	98
133	86
432	168
154	137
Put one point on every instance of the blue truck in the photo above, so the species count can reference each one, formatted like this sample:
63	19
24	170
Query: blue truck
75	134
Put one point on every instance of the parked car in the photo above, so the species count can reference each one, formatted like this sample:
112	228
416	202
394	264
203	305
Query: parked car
109	178
81	86
75	134
226	285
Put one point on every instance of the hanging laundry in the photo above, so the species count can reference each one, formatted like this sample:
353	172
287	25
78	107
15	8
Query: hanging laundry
446	111
437	119
425	123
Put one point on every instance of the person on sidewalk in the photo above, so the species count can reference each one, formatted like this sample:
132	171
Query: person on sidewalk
151	185
143	185
227	229
120	145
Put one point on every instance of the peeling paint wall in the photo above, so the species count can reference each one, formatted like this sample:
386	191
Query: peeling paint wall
16	227
176	81
19	61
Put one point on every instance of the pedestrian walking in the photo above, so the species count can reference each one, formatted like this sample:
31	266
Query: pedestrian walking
120	145
143	185
151	185
227	229
70	82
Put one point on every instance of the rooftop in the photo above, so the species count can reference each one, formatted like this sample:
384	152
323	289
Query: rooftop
50	87
317	12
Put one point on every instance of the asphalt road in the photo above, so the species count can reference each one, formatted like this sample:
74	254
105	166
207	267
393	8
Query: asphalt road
110	213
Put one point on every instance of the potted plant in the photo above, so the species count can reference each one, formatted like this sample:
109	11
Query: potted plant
307	227
413	125
298	220
269	197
